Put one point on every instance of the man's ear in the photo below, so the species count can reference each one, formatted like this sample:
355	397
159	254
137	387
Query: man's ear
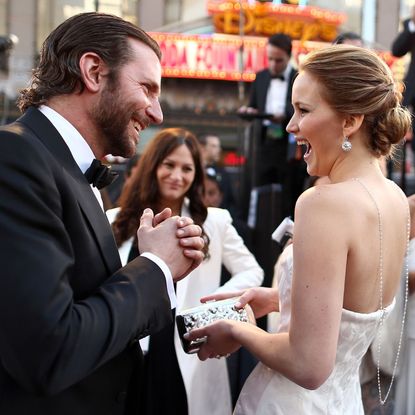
93	71
352	123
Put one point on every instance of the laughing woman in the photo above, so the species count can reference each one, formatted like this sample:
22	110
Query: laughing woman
349	243
169	173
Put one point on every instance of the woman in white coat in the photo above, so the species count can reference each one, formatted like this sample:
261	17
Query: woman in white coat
170	174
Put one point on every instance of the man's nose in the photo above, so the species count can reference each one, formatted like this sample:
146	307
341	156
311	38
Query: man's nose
154	112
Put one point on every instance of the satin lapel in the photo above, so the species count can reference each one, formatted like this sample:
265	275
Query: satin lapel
265	82
49	136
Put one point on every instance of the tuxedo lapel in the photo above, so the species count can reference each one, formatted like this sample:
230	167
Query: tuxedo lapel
264	83
43	130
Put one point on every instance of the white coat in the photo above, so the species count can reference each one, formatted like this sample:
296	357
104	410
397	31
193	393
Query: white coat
207	383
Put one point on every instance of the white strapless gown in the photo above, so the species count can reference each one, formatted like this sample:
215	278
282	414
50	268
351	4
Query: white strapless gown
266	392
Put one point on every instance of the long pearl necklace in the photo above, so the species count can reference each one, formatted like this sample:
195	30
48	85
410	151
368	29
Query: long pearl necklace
382	309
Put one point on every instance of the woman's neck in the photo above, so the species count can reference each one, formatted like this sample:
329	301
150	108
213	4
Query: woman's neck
359	164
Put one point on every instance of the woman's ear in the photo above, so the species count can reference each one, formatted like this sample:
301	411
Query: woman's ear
352	124
93	71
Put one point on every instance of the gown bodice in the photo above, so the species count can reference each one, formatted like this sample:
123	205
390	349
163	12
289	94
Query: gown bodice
267	392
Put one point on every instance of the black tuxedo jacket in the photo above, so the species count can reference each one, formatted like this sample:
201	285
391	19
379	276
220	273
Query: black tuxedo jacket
405	43
259	90
70	316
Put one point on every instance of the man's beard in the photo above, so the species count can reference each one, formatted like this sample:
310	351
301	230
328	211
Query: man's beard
112	117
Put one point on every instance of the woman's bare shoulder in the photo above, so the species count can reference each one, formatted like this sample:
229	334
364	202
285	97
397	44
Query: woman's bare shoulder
324	197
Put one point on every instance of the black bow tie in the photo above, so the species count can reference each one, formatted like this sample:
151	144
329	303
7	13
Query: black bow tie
100	175
281	76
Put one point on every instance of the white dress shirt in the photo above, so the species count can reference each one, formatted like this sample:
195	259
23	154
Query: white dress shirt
79	148
277	94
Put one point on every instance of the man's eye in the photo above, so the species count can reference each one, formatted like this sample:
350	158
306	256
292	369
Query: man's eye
144	88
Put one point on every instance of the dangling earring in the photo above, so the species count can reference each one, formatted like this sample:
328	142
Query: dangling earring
346	145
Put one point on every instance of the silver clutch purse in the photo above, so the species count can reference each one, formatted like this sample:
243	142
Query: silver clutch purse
207	313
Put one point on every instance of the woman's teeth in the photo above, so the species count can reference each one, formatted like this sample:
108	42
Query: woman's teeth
302	142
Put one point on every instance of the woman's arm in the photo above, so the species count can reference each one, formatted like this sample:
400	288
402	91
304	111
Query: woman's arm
306	354
261	299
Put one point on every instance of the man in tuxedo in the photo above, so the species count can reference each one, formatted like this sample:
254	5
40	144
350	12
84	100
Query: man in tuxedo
278	160
70	315
405	43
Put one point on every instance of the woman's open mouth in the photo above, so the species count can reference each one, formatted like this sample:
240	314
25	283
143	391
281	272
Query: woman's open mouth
303	142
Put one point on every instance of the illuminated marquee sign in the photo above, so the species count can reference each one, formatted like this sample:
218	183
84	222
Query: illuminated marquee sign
265	19
227	57
211	56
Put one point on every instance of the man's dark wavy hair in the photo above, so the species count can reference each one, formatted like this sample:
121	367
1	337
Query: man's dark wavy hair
342	37
281	41
58	70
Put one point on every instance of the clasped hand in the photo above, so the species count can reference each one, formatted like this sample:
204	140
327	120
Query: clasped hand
176	240
225	336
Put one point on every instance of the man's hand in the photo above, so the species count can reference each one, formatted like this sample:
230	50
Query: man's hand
247	110
278	118
176	240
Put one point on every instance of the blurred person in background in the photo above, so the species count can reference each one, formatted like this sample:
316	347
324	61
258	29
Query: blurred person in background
348	38
404	396
405	43
240	364
279	159
170	174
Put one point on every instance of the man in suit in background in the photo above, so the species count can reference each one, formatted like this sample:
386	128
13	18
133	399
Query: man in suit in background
70	316
405	43
278	159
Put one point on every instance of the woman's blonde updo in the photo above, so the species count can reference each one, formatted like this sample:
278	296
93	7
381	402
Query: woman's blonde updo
356	81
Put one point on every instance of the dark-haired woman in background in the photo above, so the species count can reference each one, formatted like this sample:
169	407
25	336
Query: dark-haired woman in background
170	174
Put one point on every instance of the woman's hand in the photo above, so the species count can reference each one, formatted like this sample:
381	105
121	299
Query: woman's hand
219	339
262	300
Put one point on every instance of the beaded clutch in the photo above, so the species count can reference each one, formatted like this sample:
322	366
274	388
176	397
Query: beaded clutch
207	313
